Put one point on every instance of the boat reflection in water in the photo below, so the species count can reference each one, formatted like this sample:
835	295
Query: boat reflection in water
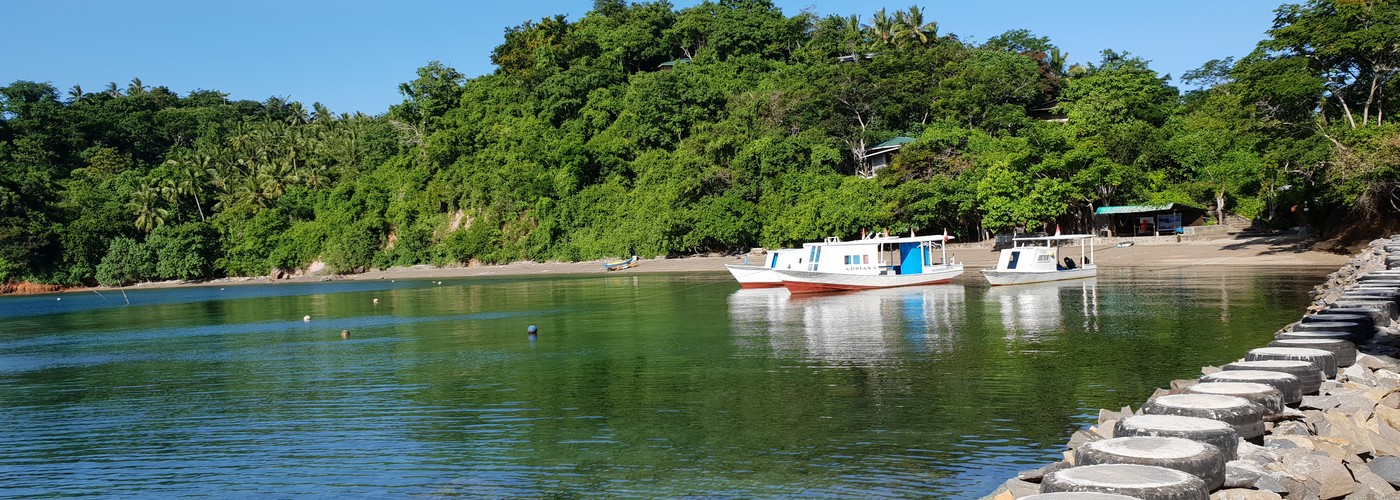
868	326
1032	310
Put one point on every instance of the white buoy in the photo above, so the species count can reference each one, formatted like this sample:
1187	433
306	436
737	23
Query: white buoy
376	300
306	318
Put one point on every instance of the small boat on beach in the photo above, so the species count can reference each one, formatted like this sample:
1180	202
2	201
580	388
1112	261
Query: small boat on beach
878	261
1036	259
764	276
621	264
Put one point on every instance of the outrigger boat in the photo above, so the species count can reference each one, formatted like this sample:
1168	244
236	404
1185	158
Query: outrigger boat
1036	259
879	261
764	276
621	264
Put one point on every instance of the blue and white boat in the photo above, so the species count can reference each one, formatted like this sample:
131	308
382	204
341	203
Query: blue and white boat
765	276
878	261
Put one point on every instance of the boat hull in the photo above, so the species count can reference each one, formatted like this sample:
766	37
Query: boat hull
754	276
818	282
996	277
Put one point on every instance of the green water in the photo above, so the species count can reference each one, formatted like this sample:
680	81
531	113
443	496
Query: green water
639	385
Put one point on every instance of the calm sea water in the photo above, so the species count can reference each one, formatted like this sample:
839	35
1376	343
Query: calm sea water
639	385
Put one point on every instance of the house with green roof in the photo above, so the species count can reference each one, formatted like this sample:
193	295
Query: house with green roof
879	155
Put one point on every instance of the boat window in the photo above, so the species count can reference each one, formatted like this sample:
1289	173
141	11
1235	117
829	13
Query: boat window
1045	257
865	259
775	261
1011	263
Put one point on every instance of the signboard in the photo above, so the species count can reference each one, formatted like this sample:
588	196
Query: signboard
1168	223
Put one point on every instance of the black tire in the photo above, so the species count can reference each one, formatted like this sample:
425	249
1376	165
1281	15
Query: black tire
1286	383
1363	320
1344	350
1261	394
1192	457
1209	431
1320	334
1244	416
1077	495
1141	481
1358	330
1382	312
1324	360
1309	377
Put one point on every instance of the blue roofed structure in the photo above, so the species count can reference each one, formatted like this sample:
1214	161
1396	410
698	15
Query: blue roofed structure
1147	220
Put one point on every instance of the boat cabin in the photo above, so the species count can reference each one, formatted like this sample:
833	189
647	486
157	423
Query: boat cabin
1042	254
877	255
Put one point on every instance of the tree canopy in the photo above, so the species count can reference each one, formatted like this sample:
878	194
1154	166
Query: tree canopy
642	128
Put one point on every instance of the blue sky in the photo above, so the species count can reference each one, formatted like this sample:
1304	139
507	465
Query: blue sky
352	54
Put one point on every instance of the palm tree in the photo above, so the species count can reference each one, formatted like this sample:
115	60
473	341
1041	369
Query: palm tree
149	214
1057	61
320	113
297	114
854	34
113	90
135	87
75	94
913	28
882	26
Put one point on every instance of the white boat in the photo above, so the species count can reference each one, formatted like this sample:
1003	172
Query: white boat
880	261
763	276
1036	259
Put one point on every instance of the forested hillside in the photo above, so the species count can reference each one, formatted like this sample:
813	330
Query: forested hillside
641	128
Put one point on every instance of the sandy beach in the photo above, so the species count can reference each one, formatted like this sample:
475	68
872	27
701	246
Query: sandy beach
1267	251
1252	251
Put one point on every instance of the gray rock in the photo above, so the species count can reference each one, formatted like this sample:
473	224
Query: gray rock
1387	468
1019	488
1358	374
1319	402
1082	436
1332	478
1242	474
1369	482
1244	494
1291	428
1391	400
1378	362
1279	444
1329	385
1356	404
1035	475
1271	482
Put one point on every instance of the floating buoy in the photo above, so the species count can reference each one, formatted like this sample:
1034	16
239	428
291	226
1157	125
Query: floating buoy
306	318
376	300
532	329
59	298
345	334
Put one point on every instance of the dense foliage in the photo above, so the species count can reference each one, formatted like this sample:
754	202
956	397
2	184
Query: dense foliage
639	128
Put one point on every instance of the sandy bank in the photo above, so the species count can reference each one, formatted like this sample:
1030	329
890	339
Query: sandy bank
1270	251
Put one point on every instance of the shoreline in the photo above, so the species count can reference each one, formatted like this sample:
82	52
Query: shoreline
1256	251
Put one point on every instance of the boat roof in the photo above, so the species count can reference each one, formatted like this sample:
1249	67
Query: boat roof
879	238
1057	237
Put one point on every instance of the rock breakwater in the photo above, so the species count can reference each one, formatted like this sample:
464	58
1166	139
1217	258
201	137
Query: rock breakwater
1339	439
